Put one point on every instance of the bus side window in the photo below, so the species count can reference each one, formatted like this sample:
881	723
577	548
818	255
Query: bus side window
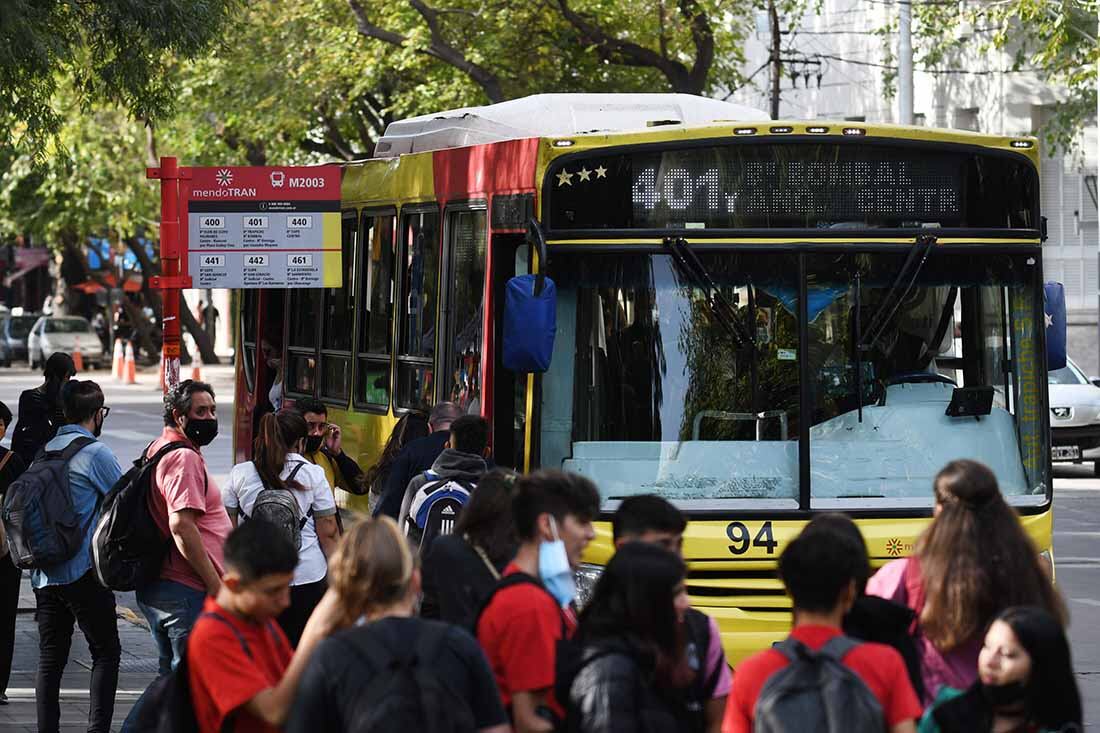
337	325
466	235
377	259
419	297
303	317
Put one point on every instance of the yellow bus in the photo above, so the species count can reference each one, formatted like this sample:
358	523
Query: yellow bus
757	320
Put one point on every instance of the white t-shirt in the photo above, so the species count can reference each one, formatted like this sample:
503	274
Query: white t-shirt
244	486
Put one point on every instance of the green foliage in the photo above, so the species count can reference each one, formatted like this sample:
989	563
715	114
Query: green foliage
1057	39
115	51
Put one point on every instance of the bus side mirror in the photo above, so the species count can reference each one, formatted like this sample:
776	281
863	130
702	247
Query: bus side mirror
530	314
1054	310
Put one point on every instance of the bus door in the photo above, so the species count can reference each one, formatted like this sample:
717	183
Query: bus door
510	255
261	353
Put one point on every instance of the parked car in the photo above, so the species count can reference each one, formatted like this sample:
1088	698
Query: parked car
64	334
13	337
1074	414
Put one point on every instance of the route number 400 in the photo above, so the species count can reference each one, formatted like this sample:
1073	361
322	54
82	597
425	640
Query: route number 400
740	535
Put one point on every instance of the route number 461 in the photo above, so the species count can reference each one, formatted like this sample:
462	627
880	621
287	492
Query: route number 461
740	535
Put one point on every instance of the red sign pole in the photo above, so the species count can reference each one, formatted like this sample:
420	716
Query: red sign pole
171	281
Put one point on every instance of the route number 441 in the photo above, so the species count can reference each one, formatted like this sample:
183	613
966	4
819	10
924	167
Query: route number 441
742	538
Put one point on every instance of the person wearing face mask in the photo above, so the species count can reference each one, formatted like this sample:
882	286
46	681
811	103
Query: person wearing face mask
69	592
324	447
530	609
187	506
1025	681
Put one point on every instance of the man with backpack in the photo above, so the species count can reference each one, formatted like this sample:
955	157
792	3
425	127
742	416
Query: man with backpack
530	610
241	668
66	591
416	457
655	521
434	498
817	679
187	507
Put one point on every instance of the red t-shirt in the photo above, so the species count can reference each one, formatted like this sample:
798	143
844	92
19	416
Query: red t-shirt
224	677
519	632
878	665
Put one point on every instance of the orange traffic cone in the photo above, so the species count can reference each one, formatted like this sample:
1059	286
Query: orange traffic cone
196	367
117	362
130	365
78	358
162	371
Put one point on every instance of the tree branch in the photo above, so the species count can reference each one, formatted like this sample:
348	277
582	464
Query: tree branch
438	49
702	35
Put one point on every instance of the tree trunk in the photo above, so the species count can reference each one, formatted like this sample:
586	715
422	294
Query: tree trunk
187	319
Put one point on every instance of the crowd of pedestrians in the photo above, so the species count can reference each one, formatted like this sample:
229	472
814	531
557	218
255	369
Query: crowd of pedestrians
455	607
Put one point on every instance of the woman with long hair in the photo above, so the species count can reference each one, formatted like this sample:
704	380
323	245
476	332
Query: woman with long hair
973	561
277	465
461	569
412	425
1025	681
372	676
40	411
629	646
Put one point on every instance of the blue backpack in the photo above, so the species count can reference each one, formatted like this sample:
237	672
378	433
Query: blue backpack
435	508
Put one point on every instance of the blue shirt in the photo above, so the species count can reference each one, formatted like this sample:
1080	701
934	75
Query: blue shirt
92	473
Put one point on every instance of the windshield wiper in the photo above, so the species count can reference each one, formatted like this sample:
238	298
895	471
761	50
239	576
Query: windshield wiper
907	275
690	266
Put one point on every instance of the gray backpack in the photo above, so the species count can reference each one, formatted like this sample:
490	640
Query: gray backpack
816	692
280	507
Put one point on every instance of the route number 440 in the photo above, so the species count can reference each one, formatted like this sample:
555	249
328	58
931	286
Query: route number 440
742	538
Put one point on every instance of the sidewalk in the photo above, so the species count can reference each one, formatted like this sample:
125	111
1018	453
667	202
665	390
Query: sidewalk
138	668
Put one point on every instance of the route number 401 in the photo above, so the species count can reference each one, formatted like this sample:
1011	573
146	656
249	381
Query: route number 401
740	535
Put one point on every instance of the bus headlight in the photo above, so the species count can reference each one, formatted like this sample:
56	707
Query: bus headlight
585	577
1046	562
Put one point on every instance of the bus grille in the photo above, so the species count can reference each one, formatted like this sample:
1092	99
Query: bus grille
729	586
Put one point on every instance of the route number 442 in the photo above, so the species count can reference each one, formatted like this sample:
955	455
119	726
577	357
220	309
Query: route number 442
742	538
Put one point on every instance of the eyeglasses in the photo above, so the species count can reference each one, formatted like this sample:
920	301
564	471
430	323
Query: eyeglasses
105	411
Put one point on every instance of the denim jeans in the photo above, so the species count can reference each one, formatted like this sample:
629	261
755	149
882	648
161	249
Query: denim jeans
171	609
92	607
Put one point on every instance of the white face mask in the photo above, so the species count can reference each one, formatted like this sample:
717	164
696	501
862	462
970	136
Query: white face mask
554	569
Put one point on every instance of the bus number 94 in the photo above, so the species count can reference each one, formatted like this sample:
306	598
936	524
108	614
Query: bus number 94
742	538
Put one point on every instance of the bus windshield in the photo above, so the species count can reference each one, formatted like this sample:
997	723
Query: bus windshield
652	391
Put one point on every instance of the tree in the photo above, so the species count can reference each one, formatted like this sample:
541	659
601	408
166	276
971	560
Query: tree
97	188
111	50
1056	39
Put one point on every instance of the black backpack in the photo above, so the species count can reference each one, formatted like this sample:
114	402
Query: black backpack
280	508
128	548
817	692
40	519
407	692
168	706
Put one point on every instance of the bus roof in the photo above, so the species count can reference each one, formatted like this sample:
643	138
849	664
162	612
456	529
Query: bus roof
552	115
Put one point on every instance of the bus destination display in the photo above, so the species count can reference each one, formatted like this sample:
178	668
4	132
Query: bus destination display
791	185
264	227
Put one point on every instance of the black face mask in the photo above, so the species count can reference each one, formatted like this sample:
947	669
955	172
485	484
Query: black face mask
201	432
1001	696
313	443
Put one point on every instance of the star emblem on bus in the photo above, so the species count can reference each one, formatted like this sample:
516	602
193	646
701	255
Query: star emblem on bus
601	172
585	174
565	178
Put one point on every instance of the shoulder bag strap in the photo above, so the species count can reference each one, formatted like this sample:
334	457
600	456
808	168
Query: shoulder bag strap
75	446
480	553
236	633
838	647
5	459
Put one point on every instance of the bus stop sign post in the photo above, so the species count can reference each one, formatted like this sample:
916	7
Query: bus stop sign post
172	280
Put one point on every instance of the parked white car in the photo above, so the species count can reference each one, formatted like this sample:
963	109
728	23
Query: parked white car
1074	414
65	334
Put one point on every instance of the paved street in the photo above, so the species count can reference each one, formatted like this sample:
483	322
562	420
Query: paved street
136	416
